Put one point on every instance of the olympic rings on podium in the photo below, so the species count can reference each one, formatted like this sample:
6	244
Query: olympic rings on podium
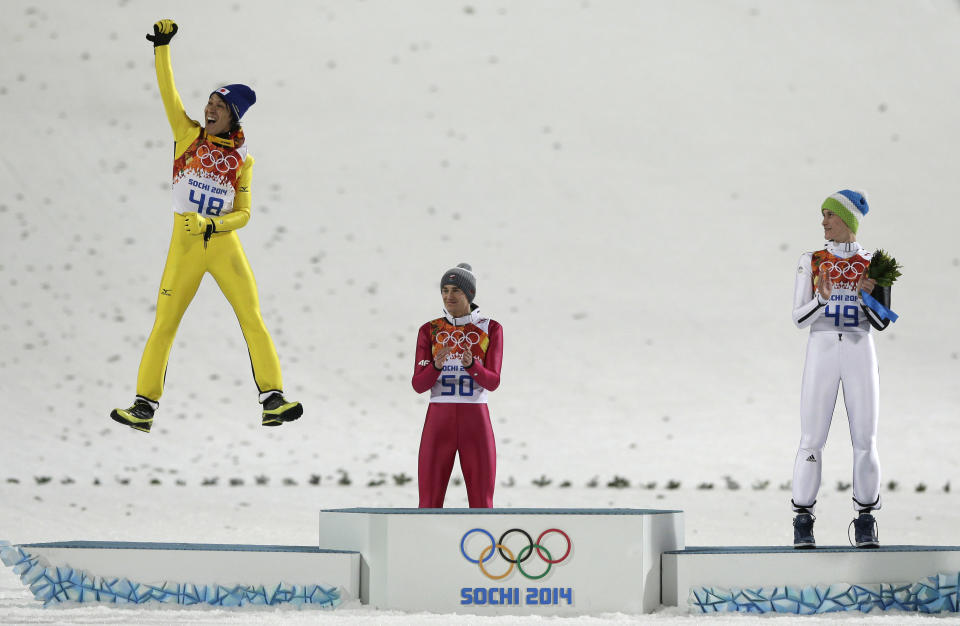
507	554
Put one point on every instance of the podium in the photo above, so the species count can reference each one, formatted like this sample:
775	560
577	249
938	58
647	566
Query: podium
507	561
496	562
224	575
780	579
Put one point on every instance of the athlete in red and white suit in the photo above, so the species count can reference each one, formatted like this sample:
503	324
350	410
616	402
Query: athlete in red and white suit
458	359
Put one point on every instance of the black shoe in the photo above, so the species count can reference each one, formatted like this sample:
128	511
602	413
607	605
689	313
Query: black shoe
803	531
865	531
276	410
139	416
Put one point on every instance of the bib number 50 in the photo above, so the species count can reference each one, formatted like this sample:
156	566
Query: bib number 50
451	384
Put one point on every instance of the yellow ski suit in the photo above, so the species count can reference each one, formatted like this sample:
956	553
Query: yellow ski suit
211	176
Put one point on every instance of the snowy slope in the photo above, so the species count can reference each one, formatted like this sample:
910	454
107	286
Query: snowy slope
632	181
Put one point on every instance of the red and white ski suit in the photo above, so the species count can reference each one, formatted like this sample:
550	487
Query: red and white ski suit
457	418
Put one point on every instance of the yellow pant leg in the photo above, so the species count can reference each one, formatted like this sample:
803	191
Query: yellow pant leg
181	276
228	265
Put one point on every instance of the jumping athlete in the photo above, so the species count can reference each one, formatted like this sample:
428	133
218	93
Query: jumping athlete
458	359
840	350
211	200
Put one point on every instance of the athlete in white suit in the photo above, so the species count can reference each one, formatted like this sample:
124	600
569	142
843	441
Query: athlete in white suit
840	351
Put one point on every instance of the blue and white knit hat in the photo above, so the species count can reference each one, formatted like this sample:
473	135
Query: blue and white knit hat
238	97
850	205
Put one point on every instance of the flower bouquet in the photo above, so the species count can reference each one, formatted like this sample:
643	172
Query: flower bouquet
885	270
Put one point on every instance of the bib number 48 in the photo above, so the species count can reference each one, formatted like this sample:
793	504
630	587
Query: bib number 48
211	205
848	313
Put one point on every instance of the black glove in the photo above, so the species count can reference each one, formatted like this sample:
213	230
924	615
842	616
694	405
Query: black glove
163	32
881	294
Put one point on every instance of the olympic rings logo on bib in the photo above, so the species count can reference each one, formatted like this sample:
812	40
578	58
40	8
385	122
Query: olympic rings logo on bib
514	560
458	338
843	269
211	157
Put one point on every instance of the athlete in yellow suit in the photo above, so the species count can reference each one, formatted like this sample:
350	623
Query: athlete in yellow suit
211	200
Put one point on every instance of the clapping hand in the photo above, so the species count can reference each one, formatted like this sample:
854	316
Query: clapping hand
825	285
441	356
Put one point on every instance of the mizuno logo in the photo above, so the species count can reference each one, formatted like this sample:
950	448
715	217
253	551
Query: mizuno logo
166	292
244	189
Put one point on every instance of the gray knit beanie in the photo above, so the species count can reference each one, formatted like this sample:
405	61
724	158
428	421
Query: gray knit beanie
461	276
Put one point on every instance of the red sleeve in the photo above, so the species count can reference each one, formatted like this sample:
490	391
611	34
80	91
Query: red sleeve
424	373
487	373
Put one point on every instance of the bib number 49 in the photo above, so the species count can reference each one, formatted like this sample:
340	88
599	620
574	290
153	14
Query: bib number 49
848	313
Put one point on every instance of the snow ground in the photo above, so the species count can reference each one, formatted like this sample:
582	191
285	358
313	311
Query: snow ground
288	515
632	181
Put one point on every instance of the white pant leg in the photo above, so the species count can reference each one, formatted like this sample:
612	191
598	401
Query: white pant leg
861	394
818	398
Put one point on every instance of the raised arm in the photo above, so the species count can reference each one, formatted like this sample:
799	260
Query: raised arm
807	303
180	123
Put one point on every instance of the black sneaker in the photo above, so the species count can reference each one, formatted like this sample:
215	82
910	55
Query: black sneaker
276	410
803	531
139	416
865	531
